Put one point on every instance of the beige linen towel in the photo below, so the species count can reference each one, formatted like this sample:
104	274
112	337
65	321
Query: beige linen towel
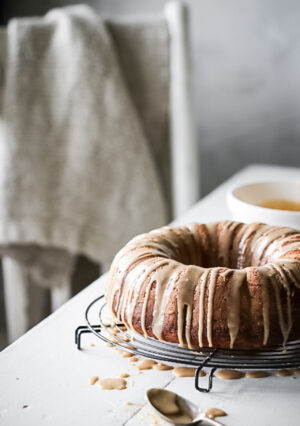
76	171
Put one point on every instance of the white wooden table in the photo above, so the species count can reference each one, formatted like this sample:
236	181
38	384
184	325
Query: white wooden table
44	371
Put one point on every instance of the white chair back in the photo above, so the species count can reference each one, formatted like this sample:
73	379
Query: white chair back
183	157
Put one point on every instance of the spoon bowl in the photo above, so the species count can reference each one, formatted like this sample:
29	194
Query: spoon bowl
176	409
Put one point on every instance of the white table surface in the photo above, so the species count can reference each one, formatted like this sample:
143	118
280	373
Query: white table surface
44	370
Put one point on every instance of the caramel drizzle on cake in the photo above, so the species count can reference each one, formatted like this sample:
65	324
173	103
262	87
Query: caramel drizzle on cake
172	259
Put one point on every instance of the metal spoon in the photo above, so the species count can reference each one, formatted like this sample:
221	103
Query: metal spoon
154	397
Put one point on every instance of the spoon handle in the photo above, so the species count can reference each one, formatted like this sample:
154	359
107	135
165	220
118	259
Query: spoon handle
211	421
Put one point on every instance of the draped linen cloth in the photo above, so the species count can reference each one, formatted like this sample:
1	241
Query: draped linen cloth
80	162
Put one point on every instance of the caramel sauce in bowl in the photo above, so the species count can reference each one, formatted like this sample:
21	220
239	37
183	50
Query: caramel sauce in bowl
273	203
292	206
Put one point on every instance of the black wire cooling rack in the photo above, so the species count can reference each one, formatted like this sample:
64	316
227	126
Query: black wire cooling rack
268	359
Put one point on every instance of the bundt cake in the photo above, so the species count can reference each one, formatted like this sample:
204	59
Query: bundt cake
225	285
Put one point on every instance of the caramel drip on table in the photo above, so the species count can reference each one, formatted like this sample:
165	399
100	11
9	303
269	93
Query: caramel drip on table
230	374
93	380
161	262
126	354
163	367
146	364
112	384
257	374
212	413
284	373
187	372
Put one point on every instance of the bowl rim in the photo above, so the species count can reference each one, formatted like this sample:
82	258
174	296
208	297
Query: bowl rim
233	198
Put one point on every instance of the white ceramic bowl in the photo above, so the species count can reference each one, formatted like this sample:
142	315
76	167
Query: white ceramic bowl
243	202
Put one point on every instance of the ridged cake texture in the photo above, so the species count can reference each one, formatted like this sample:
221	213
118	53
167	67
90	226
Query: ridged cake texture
225	284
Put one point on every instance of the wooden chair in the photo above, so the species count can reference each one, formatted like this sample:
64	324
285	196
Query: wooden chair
184	166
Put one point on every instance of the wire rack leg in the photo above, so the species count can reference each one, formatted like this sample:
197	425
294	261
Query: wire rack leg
83	329
210	379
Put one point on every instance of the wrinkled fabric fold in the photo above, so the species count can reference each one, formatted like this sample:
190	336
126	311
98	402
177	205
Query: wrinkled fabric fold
77	174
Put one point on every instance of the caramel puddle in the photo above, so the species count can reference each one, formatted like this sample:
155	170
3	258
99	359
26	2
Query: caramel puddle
187	372
93	380
230	374
112	384
147	364
284	373
257	374
212	413
163	367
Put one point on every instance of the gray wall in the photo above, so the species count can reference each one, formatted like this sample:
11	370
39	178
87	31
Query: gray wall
246	56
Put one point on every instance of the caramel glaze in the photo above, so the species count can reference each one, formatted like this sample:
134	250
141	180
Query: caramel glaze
200	285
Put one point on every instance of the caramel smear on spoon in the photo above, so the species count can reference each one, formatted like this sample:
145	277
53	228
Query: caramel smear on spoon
112	384
166	403
230	374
